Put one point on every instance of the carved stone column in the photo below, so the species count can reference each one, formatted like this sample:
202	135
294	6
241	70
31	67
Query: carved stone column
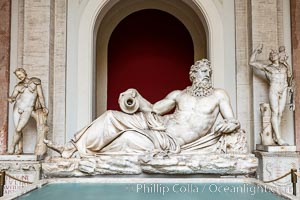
295	22
5	12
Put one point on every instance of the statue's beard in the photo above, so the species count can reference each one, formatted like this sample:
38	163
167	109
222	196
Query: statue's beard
201	88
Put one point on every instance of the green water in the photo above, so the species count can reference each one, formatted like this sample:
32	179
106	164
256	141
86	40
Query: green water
147	191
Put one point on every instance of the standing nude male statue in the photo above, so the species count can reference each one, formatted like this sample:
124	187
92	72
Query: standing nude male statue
28	97
277	73
151	128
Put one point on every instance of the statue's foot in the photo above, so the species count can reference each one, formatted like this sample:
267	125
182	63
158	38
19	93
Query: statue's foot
10	152
58	148
281	142
69	150
19	152
65	151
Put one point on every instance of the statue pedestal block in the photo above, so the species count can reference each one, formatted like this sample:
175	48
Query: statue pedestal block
272	165
275	148
23	167
179	164
28	157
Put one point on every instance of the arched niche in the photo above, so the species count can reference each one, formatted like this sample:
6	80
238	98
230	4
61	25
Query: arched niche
148	49
198	16
119	12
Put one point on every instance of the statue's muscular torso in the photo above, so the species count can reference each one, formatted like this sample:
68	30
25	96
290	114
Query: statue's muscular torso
277	76
195	116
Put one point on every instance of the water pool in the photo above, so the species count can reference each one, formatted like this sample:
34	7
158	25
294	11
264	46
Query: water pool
150	188
148	191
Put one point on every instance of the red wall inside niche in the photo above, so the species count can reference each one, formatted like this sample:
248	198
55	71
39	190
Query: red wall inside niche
149	50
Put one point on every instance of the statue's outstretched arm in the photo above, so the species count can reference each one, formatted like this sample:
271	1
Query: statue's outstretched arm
167	104
253	61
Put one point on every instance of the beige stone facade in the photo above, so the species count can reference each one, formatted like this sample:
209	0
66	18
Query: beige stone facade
55	41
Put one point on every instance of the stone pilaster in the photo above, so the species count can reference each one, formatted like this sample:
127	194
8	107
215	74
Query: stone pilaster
295	22
280	21
59	76
5	12
244	72
20	42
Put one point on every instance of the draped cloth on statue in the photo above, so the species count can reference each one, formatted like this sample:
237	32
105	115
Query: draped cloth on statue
119	133
138	130
115	131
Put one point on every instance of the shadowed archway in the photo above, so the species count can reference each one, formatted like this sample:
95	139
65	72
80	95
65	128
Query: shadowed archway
149	50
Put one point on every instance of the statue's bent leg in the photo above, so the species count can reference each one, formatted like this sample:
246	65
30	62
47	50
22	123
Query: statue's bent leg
24	118
130	142
19	146
106	129
100	133
66	151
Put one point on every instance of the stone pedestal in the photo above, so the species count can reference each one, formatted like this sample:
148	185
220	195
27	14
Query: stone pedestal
24	167
275	148
182	164
272	165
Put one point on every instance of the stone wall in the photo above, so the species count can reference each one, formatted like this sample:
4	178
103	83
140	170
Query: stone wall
5	10
295	19
41	50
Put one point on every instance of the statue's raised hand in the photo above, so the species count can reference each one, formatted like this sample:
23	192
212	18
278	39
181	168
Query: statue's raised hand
259	49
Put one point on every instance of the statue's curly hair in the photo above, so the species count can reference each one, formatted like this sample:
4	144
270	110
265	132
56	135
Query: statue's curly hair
198	65
20	70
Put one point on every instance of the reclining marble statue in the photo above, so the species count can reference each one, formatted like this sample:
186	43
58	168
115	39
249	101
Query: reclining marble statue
29	102
143	127
279	75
